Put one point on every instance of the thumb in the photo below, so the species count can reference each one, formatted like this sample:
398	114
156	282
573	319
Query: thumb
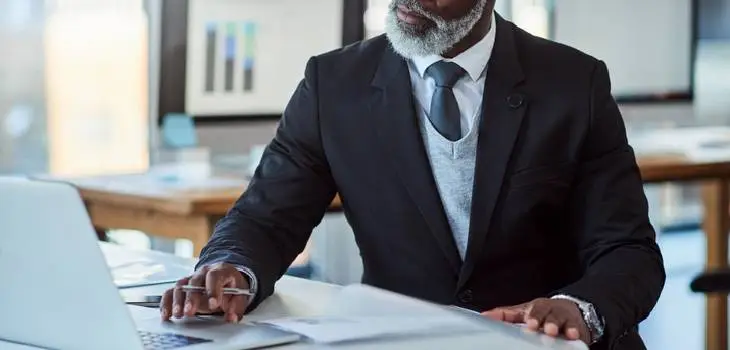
505	314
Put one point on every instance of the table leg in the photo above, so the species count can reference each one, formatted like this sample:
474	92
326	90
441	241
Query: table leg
716	225
101	234
101	231
201	238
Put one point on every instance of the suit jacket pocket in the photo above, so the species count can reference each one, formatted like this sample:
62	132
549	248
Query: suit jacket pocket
551	175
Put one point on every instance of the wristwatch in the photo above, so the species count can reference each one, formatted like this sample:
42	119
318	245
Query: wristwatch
590	316
251	278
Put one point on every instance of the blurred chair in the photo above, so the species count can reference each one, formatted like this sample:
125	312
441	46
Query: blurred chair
178	131
713	281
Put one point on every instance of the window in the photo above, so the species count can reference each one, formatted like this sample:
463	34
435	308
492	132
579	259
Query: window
375	17
531	15
74	88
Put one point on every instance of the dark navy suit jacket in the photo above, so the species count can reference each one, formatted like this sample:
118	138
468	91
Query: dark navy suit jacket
558	204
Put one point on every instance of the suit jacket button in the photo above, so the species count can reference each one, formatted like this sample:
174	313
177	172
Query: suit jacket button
466	296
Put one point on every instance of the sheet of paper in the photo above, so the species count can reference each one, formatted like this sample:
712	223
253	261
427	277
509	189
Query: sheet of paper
364	300
360	312
131	269
333	329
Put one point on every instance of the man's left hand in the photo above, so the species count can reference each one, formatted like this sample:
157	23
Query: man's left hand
555	317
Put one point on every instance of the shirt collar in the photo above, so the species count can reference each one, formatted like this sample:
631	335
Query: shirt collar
473	60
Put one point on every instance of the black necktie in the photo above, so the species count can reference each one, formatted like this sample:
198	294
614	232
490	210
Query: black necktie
444	115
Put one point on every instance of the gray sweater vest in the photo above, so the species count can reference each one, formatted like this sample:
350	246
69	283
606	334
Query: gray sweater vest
453	165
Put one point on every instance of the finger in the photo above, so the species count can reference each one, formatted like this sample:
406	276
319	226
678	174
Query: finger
192	298
230	313
536	314
495	314
505	314
178	298
572	330
554	322
214	282
514	315
166	305
237	305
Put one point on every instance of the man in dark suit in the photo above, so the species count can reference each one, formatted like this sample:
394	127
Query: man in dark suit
478	166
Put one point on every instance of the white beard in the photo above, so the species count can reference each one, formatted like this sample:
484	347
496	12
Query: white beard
410	41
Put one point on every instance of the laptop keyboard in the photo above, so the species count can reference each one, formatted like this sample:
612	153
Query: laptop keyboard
165	341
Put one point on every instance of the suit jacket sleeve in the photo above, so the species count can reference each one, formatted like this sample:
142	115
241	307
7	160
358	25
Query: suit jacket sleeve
623	267
269	225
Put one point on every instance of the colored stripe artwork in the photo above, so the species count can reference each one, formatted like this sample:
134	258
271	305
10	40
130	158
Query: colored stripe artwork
232	44
210	41
249	37
230	55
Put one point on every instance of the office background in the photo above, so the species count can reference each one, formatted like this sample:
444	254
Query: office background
87	83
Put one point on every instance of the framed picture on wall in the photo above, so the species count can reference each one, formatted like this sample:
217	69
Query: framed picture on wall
246	57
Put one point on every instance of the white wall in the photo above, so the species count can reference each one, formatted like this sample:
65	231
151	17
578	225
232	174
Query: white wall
646	44
235	137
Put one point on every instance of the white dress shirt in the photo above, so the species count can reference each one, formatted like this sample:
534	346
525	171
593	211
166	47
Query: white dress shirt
453	162
468	90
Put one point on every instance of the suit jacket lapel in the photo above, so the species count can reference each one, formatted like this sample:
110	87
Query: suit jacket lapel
503	108
393	109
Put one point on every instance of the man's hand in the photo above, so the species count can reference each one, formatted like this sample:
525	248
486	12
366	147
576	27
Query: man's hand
555	317
178	303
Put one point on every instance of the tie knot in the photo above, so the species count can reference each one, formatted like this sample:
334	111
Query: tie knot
446	74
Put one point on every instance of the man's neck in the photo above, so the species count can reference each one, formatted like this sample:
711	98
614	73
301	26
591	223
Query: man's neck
479	31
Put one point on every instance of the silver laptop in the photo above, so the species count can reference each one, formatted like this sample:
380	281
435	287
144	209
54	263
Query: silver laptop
58	293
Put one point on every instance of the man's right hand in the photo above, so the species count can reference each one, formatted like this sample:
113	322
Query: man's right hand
178	303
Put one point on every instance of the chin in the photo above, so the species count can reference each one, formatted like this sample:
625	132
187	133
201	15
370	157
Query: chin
416	30
405	46
408	40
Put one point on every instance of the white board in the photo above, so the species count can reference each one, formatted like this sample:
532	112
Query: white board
646	44
246	57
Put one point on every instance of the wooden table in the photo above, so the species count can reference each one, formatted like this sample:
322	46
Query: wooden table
714	176
159	207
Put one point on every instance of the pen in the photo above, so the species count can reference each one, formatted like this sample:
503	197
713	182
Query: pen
227	291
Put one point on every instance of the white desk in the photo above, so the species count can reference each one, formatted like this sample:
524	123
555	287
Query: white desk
13	346
299	297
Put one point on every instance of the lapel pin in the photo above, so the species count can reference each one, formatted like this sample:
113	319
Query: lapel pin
515	100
